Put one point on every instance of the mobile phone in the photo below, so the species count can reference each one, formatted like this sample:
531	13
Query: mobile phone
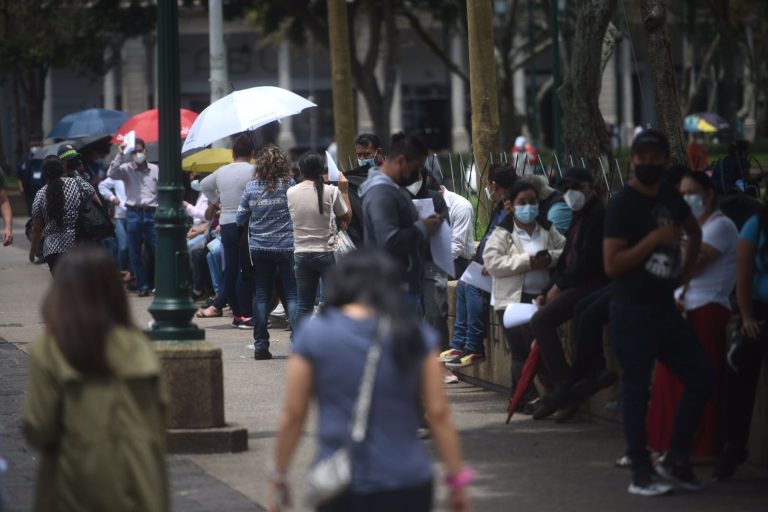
541	253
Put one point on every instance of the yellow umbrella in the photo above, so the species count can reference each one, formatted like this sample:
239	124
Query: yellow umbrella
207	160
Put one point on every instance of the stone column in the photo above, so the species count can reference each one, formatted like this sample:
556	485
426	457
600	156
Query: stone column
459	133
134	74
607	99
519	90
110	82
286	140
628	124
48	103
396	112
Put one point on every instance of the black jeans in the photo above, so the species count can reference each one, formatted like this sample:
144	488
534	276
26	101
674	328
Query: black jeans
642	334
309	268
590	317
409	499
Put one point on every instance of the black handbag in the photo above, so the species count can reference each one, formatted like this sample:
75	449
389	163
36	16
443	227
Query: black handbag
93	223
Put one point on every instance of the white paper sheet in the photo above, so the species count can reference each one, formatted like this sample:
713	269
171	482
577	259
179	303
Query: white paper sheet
424	207
333	171
518	314
130	142
474	276
440	241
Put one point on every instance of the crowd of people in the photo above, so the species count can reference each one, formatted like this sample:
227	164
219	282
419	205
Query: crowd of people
659	262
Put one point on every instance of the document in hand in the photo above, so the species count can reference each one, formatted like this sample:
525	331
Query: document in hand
333	171
518	314
440	241
474	276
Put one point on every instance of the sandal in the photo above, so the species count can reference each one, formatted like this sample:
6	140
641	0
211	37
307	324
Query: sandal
209	312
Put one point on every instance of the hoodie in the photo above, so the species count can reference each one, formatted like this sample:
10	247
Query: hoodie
392	225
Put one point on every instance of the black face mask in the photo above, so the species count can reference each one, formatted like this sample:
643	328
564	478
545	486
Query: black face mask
649	174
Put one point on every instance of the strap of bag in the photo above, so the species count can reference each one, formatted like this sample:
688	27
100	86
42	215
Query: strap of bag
333	228
362	408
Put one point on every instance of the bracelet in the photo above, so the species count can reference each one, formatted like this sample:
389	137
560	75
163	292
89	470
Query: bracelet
276	474
460	479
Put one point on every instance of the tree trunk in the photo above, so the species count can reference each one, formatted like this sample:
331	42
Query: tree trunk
584	133
654	14
696	93
32	82
485	107
341	77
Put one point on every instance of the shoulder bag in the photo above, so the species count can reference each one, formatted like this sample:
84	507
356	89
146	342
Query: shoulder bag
330	477
93	224
338	241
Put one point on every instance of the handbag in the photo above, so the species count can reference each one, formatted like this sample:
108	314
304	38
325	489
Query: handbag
338	241
331	476
93	223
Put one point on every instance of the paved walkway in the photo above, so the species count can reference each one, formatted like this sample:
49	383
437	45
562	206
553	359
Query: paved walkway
526	465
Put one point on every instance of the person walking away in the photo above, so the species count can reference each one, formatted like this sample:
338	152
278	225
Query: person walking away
746	355
391	222
519	255
466	346
55	211
311	204
579	273
5	211
643	227
225	187
707	305
113	191
263	211
95	407
140	179
390	468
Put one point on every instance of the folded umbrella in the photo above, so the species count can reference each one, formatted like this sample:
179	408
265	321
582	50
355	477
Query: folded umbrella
525	380
88	122
146	125
243	110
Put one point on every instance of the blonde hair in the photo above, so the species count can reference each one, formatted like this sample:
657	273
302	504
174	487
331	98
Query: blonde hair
271	167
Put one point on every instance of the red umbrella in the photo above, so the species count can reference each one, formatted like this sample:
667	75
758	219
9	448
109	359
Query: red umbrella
526	377
145	125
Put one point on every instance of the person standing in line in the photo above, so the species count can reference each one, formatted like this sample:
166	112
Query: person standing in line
5	211
311	204
225	187
114	192
391	222
140	179
263	212
390	468
462	217
96	405
641	252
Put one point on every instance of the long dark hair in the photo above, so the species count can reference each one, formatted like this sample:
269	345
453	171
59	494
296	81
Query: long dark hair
53	170
373	279
312	166
84	303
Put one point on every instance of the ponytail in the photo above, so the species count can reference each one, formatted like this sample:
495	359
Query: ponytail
53	170
312	166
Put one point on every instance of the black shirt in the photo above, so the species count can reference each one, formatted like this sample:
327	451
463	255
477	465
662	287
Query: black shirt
631	215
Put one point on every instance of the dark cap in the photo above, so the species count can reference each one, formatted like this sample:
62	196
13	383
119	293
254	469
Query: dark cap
577	176
67	151
650	138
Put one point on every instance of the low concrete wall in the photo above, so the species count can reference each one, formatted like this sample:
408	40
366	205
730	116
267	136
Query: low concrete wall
495	373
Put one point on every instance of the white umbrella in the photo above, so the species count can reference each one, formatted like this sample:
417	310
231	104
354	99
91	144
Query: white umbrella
243	110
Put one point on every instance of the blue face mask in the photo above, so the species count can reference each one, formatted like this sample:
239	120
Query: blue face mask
526	213
370	162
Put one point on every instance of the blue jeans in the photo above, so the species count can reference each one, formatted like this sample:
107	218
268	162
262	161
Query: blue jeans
214	268
140	227
268	265
309	267
237	289
641	335
117	245
471	312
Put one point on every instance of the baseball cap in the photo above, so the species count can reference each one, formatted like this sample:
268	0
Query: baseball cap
650	138
577	176
67	151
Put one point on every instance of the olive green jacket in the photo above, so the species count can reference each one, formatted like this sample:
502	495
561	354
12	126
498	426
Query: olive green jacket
102	439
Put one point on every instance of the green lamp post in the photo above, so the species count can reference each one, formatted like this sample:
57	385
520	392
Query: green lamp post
172	307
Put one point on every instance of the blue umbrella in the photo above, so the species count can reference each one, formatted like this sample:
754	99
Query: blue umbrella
88	122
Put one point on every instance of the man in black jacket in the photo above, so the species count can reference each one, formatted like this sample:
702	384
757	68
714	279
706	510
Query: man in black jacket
579	272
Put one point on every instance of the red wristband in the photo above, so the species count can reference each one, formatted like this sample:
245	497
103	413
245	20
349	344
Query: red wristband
460	479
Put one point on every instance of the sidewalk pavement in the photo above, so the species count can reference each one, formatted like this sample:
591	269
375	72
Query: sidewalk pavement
526	465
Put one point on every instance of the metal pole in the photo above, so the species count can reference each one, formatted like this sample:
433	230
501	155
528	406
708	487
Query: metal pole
172	307
219	74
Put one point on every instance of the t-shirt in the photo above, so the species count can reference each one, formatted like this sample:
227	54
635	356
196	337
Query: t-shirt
59	238
752	233
311	229
391	457
631	215
715	284
225	187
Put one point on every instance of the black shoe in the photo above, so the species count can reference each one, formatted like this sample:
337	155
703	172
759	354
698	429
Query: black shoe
262	355
679	473
728	462
565	414
144	292
648	484
591	385
545	409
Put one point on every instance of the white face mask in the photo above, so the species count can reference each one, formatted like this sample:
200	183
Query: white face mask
414	187
140	158
195	185
575	199
696	202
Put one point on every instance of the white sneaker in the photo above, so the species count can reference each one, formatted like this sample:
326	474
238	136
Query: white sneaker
649	486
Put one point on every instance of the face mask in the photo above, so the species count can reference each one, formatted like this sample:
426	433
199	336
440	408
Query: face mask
649	174
33	150
370	162
195	185
140	158
526	213
575	199
414	187
696	202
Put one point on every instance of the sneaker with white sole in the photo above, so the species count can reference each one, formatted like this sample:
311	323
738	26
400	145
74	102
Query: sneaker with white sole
648	485
466	359
449	355
679	473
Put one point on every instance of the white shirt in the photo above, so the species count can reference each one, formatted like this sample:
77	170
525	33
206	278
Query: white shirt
716	283
461	216
109	189
535	280
197	210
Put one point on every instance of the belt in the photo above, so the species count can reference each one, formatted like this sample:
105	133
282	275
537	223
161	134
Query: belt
148	209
